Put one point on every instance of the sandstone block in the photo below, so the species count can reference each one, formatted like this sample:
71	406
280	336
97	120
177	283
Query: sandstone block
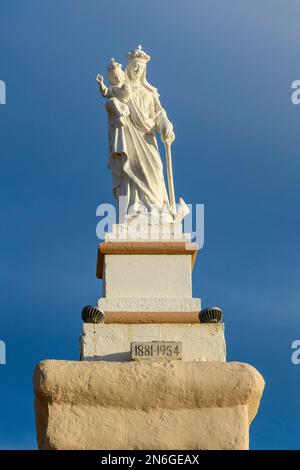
137	405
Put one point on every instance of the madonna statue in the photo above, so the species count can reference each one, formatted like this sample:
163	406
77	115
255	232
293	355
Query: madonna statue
135	115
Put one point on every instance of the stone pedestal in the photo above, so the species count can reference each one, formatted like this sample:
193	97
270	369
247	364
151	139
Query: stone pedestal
111	342
138	405
106	401
147	276
147	230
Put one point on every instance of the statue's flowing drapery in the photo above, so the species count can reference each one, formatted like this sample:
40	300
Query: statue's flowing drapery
134	157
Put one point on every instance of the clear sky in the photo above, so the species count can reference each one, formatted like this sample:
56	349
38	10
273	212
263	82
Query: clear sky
224	71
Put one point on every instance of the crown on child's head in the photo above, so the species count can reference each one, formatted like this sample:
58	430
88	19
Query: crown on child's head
113	65
138	55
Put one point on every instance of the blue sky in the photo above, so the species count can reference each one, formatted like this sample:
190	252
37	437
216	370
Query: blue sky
224	71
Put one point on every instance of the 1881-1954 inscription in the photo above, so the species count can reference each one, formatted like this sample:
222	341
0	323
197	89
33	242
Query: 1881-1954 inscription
159	350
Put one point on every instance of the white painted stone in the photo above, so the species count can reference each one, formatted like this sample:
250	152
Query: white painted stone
149	304
147	276
111	342
148	232
150	283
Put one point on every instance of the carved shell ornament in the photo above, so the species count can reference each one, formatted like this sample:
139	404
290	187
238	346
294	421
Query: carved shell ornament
211	315
92	314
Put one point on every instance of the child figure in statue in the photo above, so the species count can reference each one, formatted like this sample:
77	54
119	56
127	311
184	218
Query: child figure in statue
117	93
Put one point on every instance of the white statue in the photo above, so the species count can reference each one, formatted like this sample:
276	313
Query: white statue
135	115
117	93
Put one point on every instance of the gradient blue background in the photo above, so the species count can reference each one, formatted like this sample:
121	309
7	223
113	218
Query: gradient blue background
224	71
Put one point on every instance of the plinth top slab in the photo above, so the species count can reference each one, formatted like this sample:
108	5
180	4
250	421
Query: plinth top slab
144	248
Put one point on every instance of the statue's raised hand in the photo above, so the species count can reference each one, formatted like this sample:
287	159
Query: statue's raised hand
100	79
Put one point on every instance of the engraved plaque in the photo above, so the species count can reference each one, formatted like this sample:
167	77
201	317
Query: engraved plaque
156	350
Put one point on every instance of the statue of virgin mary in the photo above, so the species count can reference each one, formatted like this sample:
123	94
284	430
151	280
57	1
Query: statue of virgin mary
134	158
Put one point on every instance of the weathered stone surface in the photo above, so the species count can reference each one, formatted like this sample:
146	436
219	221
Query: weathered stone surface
149	304
137	405
111	342
146	317
154	232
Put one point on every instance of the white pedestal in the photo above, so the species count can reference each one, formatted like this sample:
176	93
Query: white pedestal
111	342
149	276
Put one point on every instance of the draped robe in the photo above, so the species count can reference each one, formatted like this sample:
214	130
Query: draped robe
134	157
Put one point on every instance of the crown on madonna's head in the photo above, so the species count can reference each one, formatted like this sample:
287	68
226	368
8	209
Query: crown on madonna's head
113	65
138	54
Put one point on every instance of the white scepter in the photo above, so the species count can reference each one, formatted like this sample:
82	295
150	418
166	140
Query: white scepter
170	178
183	209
